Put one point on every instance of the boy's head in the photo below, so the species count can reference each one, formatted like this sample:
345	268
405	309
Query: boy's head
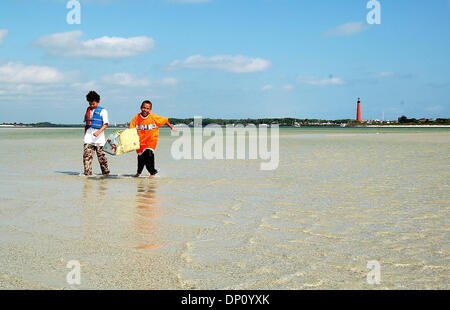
93	98
146	108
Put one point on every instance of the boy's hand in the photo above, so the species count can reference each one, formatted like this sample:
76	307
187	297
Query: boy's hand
98	132
172	127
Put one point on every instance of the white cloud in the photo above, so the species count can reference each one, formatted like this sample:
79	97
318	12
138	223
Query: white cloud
125	79
386	74
394	75
69	44
16	72
319	81
3	33
128	80
189	1
347	29
85	86
271	87
435	108
229	63
267	87
169	81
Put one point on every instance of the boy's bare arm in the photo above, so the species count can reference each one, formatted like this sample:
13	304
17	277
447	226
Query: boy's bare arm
98	132
171	126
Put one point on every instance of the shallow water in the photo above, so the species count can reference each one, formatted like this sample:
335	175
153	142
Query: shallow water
340	197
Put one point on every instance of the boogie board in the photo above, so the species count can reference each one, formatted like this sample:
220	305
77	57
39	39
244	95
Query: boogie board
122	141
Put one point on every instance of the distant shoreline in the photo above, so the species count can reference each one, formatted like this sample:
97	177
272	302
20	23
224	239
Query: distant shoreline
403	122
281	126
406	126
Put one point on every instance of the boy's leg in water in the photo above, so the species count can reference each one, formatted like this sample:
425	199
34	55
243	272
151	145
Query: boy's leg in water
87	159
102	160
140	164
150	162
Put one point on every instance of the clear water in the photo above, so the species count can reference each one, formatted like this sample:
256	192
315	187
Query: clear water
340	197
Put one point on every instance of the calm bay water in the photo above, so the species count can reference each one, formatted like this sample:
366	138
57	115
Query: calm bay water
340	197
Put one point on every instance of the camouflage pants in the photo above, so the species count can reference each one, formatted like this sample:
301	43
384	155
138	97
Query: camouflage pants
88	155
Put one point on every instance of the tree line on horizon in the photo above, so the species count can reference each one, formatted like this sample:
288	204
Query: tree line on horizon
413	121
258	121
287	121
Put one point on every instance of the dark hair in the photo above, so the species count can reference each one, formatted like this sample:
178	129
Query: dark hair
146	102
93	96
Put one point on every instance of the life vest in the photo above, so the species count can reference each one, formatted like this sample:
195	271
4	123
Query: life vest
95	121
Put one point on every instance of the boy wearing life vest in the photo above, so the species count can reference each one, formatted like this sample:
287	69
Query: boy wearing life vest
96	119
147	125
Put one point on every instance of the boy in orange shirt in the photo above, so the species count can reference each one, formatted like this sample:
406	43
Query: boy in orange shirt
147	125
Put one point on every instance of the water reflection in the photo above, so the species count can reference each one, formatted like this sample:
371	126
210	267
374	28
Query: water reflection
108	214
94	194
93	202
147	213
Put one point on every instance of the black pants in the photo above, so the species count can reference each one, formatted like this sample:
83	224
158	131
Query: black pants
147	159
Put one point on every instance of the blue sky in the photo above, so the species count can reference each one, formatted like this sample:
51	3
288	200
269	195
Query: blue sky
224	59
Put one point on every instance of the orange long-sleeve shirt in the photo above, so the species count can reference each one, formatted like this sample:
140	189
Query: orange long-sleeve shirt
148	130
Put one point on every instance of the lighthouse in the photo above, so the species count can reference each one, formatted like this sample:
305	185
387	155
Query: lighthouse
358	111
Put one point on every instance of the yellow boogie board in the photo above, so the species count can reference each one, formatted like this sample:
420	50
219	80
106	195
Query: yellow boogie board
122	141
